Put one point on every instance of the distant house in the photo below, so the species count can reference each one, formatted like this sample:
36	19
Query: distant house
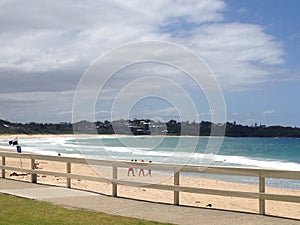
140	127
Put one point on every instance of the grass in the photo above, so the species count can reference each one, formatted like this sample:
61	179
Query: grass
15	210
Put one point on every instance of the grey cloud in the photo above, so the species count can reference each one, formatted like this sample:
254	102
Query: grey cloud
53	81
37	106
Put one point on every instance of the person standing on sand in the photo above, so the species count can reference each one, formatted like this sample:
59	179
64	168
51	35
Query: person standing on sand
130	170
142	170
149	170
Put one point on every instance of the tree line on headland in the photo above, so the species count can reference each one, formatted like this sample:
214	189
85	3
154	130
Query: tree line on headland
172	127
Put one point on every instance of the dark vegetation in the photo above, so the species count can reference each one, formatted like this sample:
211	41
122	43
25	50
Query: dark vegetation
171	127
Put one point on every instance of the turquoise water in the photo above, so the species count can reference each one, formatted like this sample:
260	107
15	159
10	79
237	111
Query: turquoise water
273	153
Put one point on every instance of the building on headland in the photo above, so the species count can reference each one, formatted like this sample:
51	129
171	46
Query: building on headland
140	127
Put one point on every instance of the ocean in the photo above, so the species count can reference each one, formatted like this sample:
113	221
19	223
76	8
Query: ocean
270	153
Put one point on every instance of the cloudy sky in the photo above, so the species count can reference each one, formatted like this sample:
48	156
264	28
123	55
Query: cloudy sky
251	47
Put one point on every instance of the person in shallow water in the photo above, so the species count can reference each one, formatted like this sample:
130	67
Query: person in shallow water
136	169
142	170
149	170
130	170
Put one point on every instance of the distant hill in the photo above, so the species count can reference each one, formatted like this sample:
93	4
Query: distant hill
169	128
7	127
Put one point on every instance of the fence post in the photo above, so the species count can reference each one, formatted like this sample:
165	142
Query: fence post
3	164
176	193
68	171
33	175
114	185
261	190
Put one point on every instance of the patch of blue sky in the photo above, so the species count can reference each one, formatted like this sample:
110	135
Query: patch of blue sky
178	27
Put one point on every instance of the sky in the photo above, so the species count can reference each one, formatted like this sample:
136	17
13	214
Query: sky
251	49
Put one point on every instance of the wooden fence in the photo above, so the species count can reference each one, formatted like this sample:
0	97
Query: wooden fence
176	169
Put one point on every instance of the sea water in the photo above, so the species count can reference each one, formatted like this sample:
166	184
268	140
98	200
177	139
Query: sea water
269	153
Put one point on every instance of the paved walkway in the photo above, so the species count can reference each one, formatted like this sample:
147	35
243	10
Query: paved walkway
134	208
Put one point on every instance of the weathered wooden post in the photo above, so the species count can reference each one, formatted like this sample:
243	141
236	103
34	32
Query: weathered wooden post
114	185
176	193
3	164
33	175
68	171
262	186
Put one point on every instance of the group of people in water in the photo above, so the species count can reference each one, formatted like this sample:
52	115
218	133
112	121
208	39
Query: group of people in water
140	171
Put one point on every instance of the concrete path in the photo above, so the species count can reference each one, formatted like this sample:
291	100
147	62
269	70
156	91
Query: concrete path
135	208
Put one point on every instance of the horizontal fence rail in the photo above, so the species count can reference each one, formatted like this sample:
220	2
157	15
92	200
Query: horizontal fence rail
261	174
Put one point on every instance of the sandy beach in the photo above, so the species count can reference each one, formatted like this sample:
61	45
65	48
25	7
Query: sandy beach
291	210
24	136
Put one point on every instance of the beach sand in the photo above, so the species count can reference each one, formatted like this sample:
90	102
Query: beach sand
23	136
291	210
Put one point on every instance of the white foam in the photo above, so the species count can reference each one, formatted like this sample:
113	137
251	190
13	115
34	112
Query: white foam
261	163
118	149
53	145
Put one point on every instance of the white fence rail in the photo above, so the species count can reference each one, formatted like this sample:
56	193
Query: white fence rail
261	174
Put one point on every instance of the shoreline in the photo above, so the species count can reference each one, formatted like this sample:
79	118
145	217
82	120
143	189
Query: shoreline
243	180
270	182
5	136
28	136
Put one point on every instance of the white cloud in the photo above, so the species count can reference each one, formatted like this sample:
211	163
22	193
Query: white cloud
235	114
268	112
50	43
239	54
295	35
50	35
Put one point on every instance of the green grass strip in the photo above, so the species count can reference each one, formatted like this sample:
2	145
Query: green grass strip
17	211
